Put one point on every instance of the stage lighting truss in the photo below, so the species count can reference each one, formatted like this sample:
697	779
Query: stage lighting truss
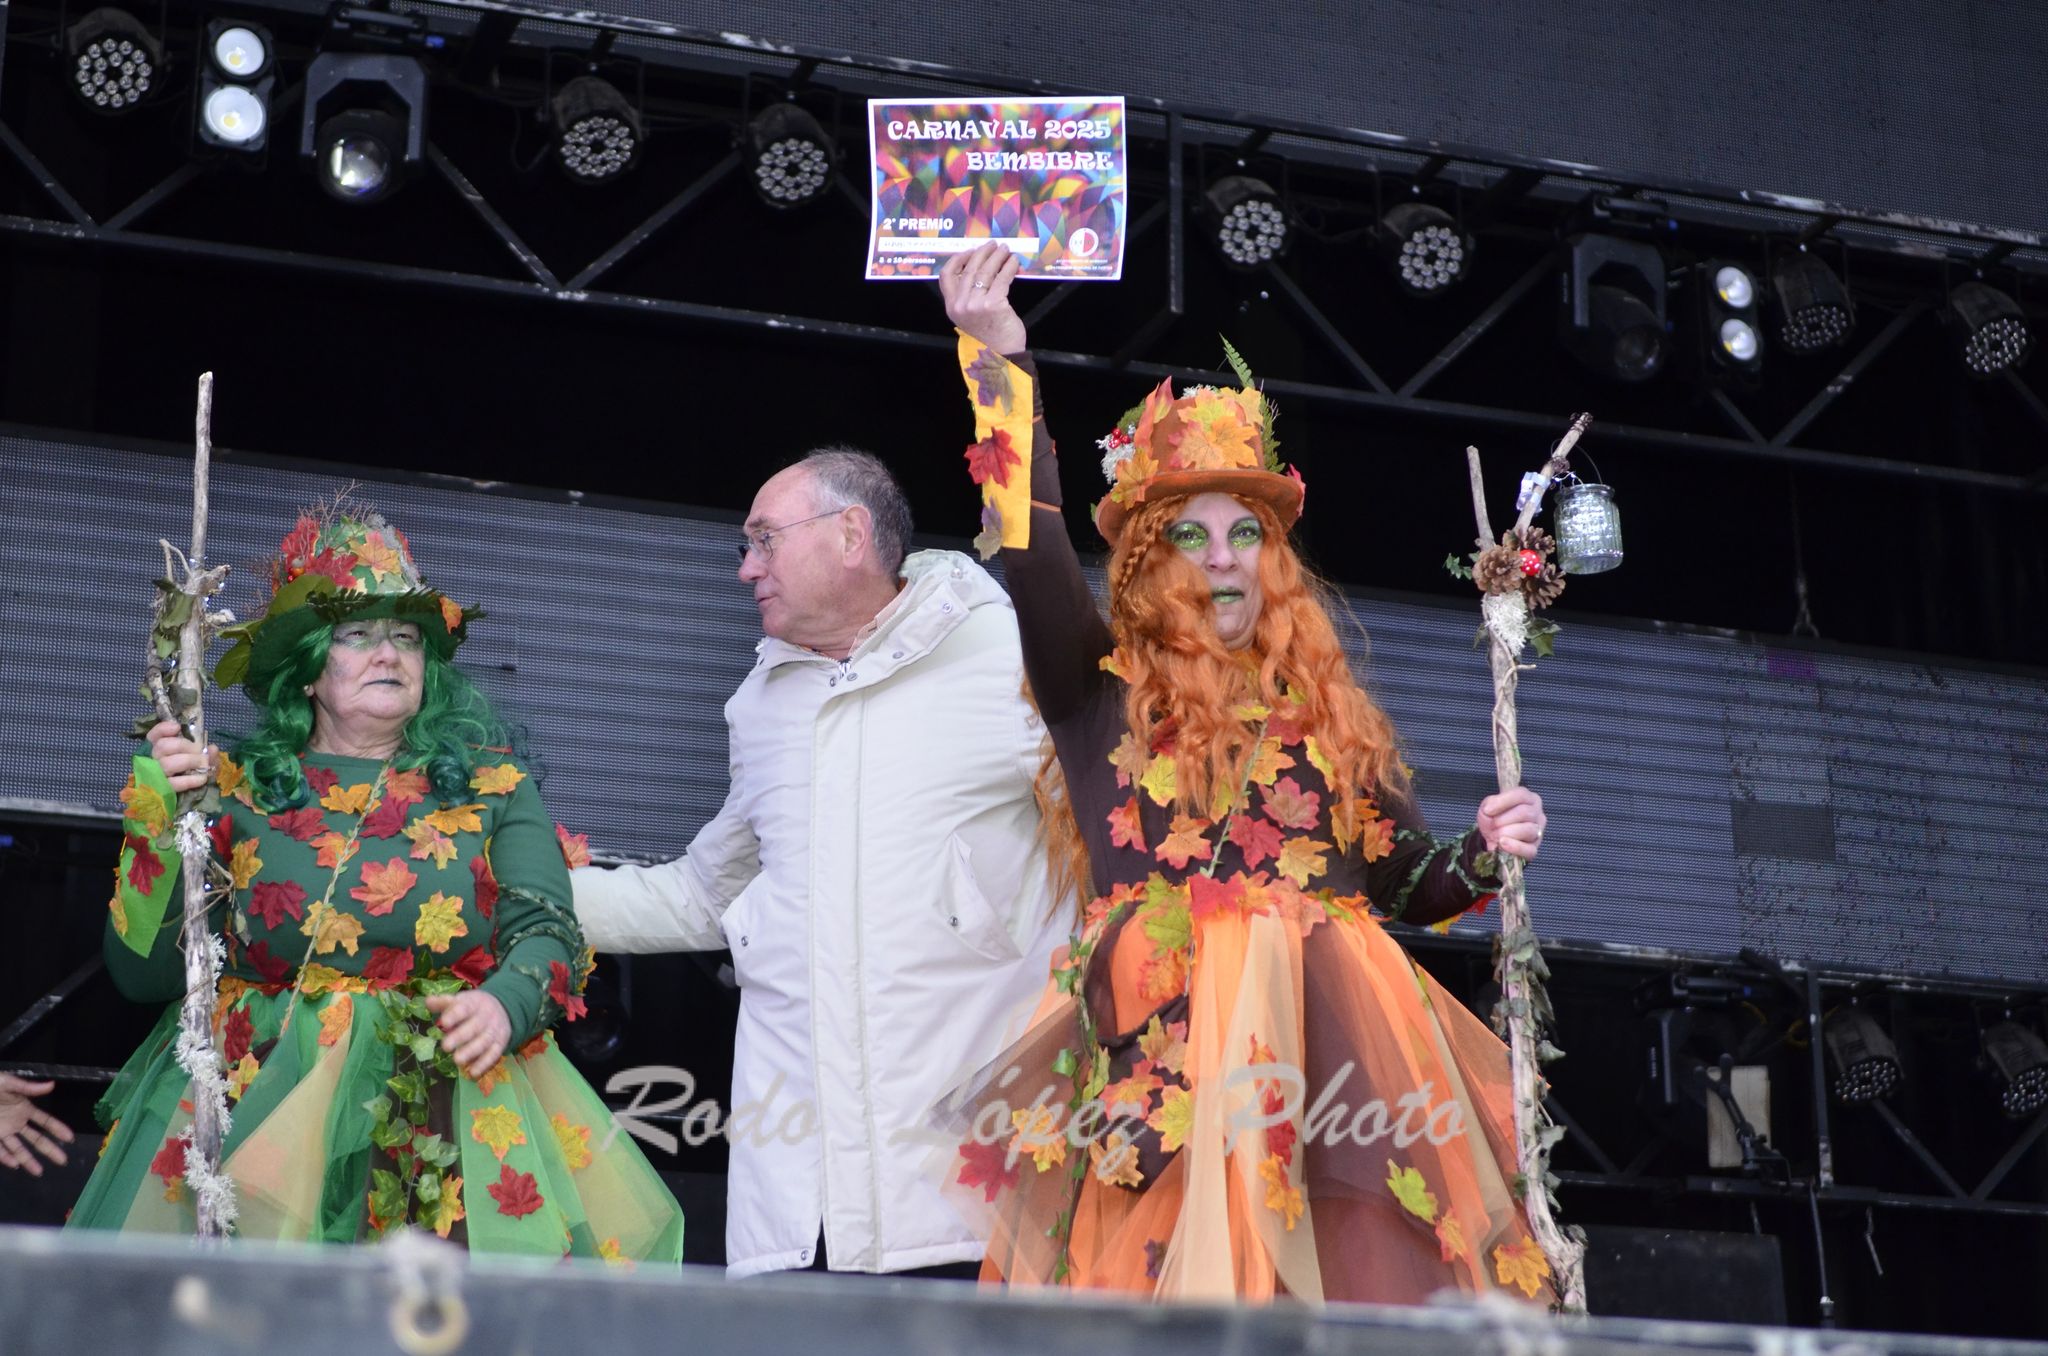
1427	249
1994	332
232	94
1248	222
114	60
1611	316
1814	309
2020	1058
1866	1060
598	133
364	126
789	157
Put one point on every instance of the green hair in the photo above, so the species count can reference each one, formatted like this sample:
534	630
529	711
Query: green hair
455	722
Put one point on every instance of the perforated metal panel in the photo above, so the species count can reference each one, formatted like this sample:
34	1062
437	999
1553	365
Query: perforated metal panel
1705	793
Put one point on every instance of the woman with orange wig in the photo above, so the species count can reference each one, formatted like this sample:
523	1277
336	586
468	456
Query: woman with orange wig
1239	1084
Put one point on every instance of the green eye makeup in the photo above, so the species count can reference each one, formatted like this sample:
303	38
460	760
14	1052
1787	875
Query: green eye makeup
1188	536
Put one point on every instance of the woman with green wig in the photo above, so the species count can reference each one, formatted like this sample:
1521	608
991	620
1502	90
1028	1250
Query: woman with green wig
394	905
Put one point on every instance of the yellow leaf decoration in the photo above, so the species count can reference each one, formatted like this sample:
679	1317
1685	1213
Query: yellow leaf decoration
232	779
1301	859
610	1251
1165	1046
1161	781
330	928
1038	1134
575	1141
316	979
440	922
347	800
430	842
491	1077
120	917
456	819
241	1076
1174	1118
146	807
448	1209
1412	1192
497	1126
496	781
336	1018
1521	1264
1116	1165
1269	762
1282	1195
1185	842
243	864
1319	760
1450	1237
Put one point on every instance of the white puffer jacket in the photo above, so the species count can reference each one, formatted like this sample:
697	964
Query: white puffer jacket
877	874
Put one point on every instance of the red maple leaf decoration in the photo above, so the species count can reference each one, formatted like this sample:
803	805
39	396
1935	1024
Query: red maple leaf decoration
515	1192
558	989
992	458
385	821
1206	894
236	1033
1255	838
474	965
388	967
304	824
336	565
146	866
169	1162
222	832
322	779
987	1166
272	900
272	968
1280	1134
486	887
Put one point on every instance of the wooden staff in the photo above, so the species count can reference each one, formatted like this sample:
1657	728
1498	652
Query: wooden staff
1520	968
181	608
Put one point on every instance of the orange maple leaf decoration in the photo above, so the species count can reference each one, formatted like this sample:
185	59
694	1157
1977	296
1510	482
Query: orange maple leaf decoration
500	779
347	800
1287	805
384	885
1301	859
407	786
575	847
1126	828
1450	1237
336	1018
334	849
428	841
1521	1264
456	819
1185	843
1129	758
378	555
451	614
992	458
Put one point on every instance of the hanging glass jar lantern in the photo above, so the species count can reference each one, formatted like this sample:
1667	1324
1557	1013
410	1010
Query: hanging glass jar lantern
1588	528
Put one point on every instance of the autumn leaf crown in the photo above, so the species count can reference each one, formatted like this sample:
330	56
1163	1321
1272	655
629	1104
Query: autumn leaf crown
1208	428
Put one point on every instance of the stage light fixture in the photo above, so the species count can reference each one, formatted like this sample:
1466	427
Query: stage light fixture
233	88
1425	247
1612	312
598	133
115	61
364	127
1724	311
1866	1060
789	156
1248	223
2021	1059
1814	309
1994	329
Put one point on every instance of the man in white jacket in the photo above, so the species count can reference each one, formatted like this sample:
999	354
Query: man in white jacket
877	871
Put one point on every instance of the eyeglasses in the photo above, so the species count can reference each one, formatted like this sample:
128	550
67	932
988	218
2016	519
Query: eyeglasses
764	540
368	635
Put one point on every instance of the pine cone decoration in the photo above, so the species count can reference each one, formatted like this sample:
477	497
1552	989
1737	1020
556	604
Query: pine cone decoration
1498	569
1533	538
1543	588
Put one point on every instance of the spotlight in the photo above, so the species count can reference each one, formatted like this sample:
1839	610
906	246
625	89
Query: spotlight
233	88
1994	329
365	123
1425	247
2021	1059
1866	1061
1814	309
1724	309
1248	221
597	132
115	61
789	156
1612	316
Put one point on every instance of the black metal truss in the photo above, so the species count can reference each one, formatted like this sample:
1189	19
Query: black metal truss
1499	179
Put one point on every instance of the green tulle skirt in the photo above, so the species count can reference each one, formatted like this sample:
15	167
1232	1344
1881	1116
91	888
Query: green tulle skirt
543	1168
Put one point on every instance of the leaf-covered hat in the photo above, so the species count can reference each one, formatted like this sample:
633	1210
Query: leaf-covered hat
1207	439
339	563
